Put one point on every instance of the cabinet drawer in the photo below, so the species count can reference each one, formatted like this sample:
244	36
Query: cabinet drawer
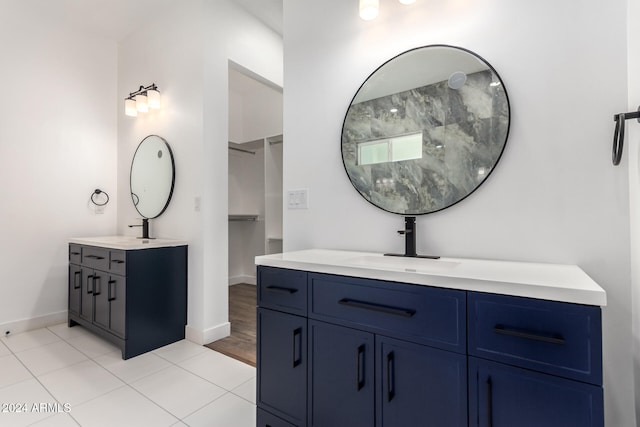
554	337
282	289
117	262
97	258
421	314
75	254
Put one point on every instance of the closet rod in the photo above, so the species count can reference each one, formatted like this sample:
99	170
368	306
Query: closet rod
242	150
275	140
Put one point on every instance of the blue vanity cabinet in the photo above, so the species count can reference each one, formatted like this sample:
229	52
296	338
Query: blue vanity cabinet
282	346
504	396
420	385
341	376
385	354
534	362
136	299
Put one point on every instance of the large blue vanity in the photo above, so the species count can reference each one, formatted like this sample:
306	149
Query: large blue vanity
360	339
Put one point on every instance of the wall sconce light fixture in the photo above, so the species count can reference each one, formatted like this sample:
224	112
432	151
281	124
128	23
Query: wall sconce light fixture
141	100
369	8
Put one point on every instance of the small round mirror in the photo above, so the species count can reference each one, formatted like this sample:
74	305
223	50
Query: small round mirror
425	130
152	176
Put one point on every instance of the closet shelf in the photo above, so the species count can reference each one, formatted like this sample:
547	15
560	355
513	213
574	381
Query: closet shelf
249	217
274	239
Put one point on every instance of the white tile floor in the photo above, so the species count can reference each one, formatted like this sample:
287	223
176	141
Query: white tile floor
60	376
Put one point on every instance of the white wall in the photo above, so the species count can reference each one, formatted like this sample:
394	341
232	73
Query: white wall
554	197
632	156
58	143
187	55
246	197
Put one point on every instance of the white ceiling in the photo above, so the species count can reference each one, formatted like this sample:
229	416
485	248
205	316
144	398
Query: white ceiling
115	19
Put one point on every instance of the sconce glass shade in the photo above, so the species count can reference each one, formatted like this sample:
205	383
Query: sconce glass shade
130	107
407	1
368	9
153	98
141	103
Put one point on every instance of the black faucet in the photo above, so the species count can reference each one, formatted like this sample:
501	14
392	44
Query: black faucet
145	228
409	233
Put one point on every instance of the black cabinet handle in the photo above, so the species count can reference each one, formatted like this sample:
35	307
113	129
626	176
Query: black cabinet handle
514	332
97	290
111	293
75	253
489	403
76	282
90	281
94	257
397	311
391	389
281	289
117	261
297	347
361	368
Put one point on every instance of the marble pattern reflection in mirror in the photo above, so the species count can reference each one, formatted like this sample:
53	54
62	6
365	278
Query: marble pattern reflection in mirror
448	98
152	176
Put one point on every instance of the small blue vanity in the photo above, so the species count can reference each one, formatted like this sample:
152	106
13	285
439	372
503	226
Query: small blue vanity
132	292
360	339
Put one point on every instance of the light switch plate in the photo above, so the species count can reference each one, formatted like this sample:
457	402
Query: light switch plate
298	199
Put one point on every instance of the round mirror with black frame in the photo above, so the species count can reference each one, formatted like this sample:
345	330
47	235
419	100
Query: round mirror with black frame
152	177
425	130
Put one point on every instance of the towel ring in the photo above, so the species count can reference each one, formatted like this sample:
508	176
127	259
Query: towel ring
618	134
98	192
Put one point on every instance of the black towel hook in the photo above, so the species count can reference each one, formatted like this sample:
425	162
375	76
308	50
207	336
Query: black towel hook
618	134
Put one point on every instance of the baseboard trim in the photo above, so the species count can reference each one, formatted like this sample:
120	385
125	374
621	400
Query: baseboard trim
234	280
208	335
25	325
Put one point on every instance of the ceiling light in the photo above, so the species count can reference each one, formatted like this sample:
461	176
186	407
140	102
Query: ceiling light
368	9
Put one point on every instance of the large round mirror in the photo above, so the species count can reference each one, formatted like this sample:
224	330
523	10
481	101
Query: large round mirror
152	176
425	130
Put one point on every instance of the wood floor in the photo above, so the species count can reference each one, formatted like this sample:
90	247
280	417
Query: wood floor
241	345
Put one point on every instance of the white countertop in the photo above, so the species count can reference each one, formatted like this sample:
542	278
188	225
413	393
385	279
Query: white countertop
126	242
555	282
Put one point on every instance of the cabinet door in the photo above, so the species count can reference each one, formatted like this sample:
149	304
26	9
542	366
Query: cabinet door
420	385
505	396
75	288
282	365
265	419
100	299
116	294
86	297
341	365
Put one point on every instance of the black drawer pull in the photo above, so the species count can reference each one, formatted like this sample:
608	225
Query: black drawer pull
489	403
97	289
281	289
397	311
76	282
512	332
297	347
90	280
111	293
75	253
117	261
94	257
360	368
391	389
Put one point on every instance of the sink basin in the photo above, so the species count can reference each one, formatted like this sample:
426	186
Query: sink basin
408	264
